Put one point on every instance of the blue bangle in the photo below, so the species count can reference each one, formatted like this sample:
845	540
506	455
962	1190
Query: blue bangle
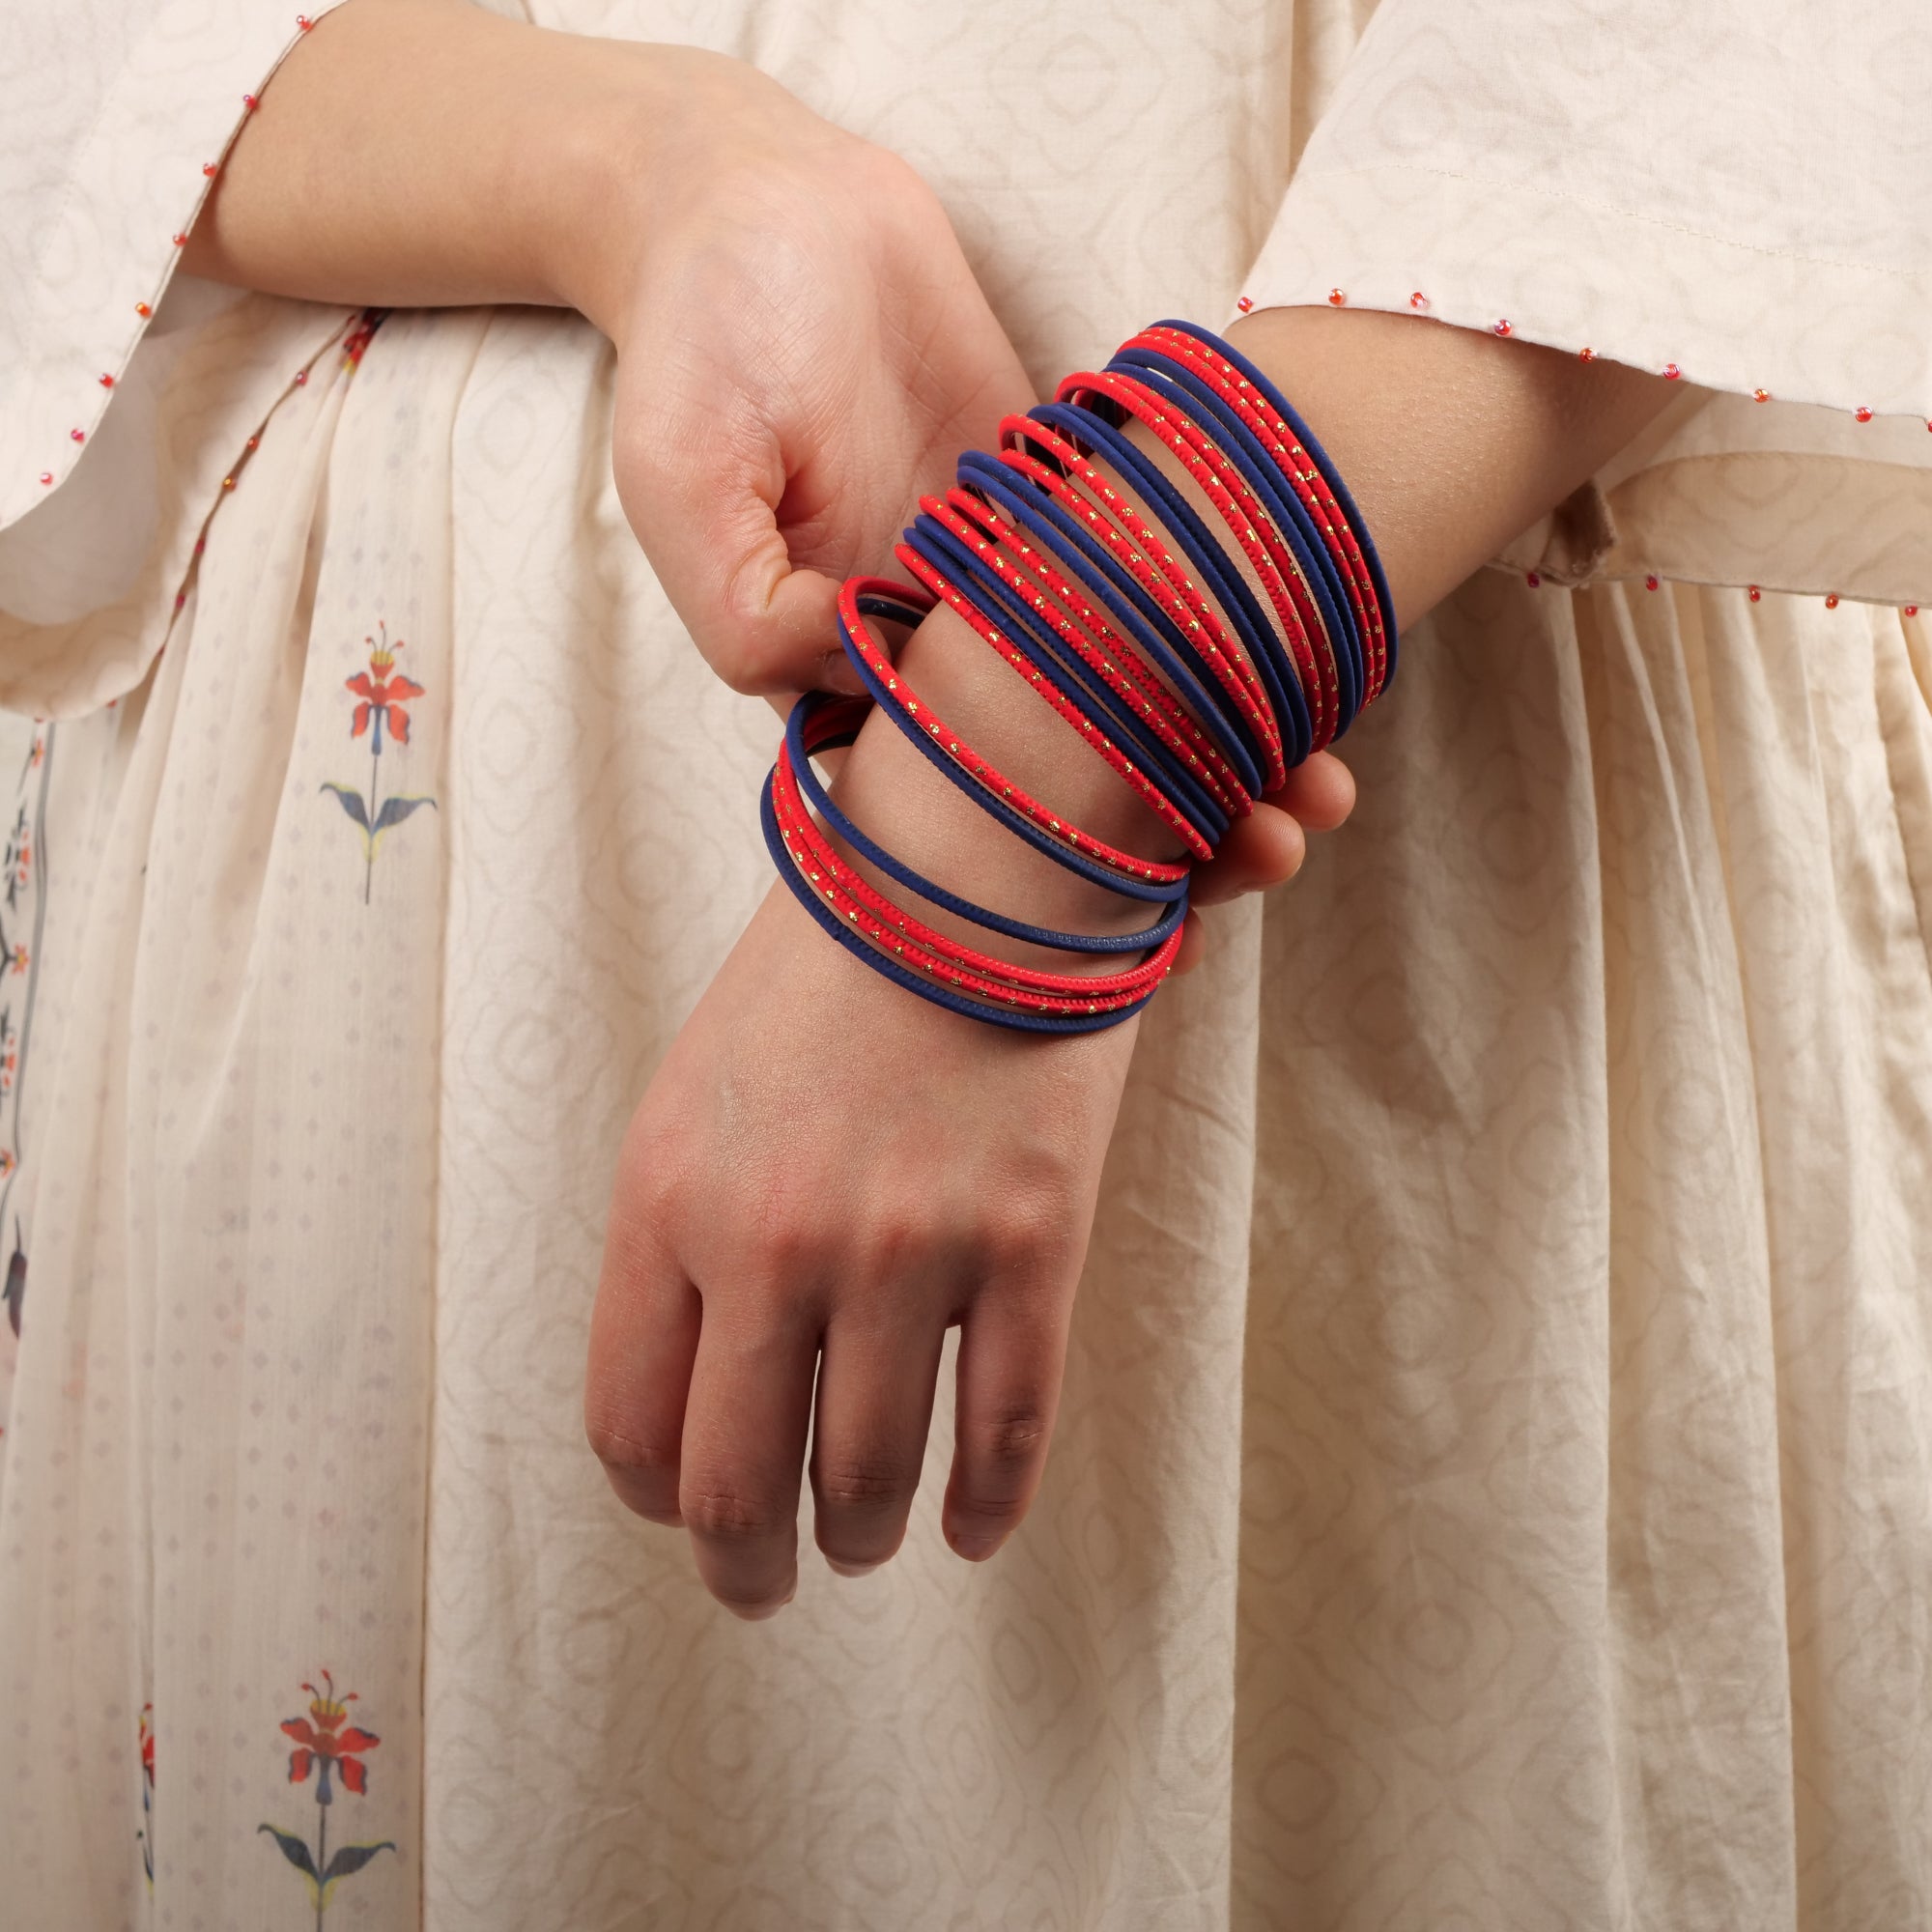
913	982
1151	890
1241	447
1136	613
1043	649
1330	476
820	800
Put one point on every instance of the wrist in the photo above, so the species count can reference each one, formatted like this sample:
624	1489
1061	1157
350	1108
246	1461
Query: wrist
893	792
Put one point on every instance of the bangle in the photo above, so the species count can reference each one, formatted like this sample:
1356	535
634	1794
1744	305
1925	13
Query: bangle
1236	498
1079	689
1199	679
818	723
1092	859
1344	527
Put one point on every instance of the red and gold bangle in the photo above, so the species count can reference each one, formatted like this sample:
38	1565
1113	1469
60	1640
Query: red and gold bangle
1005	549
1248	521
1001	793
1279	439
910	940
989	633
1140	550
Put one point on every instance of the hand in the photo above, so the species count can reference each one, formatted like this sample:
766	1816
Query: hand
801	351
1268	847
825	1162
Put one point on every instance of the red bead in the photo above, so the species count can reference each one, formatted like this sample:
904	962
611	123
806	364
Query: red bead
302	377
180	598
1861	415
1650	584
143	310
209	168
47	475
78	435
108	382
1755	593
1912	610
1671	372
1245	303
1503	328
1418	300
248	103
1586	355
303	21
181	241
1532	580
1831	600
1760	395
1336	297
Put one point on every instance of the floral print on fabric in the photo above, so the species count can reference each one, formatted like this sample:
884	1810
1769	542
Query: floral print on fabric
145	1836
382	692
330	1747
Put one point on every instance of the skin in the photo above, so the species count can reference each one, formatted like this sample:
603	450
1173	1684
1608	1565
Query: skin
826	1173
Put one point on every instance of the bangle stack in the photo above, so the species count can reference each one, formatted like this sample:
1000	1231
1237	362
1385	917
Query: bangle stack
1139	621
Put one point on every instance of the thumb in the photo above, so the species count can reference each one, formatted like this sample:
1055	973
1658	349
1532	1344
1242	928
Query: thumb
707	519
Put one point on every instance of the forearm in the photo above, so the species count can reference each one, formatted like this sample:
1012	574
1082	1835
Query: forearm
1452	443
426	152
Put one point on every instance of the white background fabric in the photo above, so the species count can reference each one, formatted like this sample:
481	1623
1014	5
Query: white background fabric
1491	1487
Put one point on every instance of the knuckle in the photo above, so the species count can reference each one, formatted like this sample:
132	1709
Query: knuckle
1011	1437
728	1515
644	1477
1025	1232
865	1484
740	666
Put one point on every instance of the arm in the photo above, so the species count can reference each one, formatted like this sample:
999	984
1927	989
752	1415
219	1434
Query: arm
766	277
825	1164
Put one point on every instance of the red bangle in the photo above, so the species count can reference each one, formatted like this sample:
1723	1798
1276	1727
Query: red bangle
909	939
1135	544
1247	520
1005	550
1279	439
989	633
989	777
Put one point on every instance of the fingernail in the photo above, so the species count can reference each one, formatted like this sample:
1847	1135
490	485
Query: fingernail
756	1613
852	1568
977	1548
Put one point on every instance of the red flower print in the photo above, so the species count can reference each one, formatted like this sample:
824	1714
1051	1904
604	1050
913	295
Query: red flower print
145	1835
383	691
326	1742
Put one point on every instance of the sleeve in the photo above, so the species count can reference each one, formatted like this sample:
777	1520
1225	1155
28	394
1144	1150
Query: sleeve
114	119
1736	195
127	391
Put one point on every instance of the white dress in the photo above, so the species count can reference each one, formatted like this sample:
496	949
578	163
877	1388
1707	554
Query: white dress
1494	1481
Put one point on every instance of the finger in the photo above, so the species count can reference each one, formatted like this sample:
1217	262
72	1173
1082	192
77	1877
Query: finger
743	1447
1320	791
1263	849
706	512
1012	1354
875	1389
644	1337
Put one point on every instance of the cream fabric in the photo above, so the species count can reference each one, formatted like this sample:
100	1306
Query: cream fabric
1492	1486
